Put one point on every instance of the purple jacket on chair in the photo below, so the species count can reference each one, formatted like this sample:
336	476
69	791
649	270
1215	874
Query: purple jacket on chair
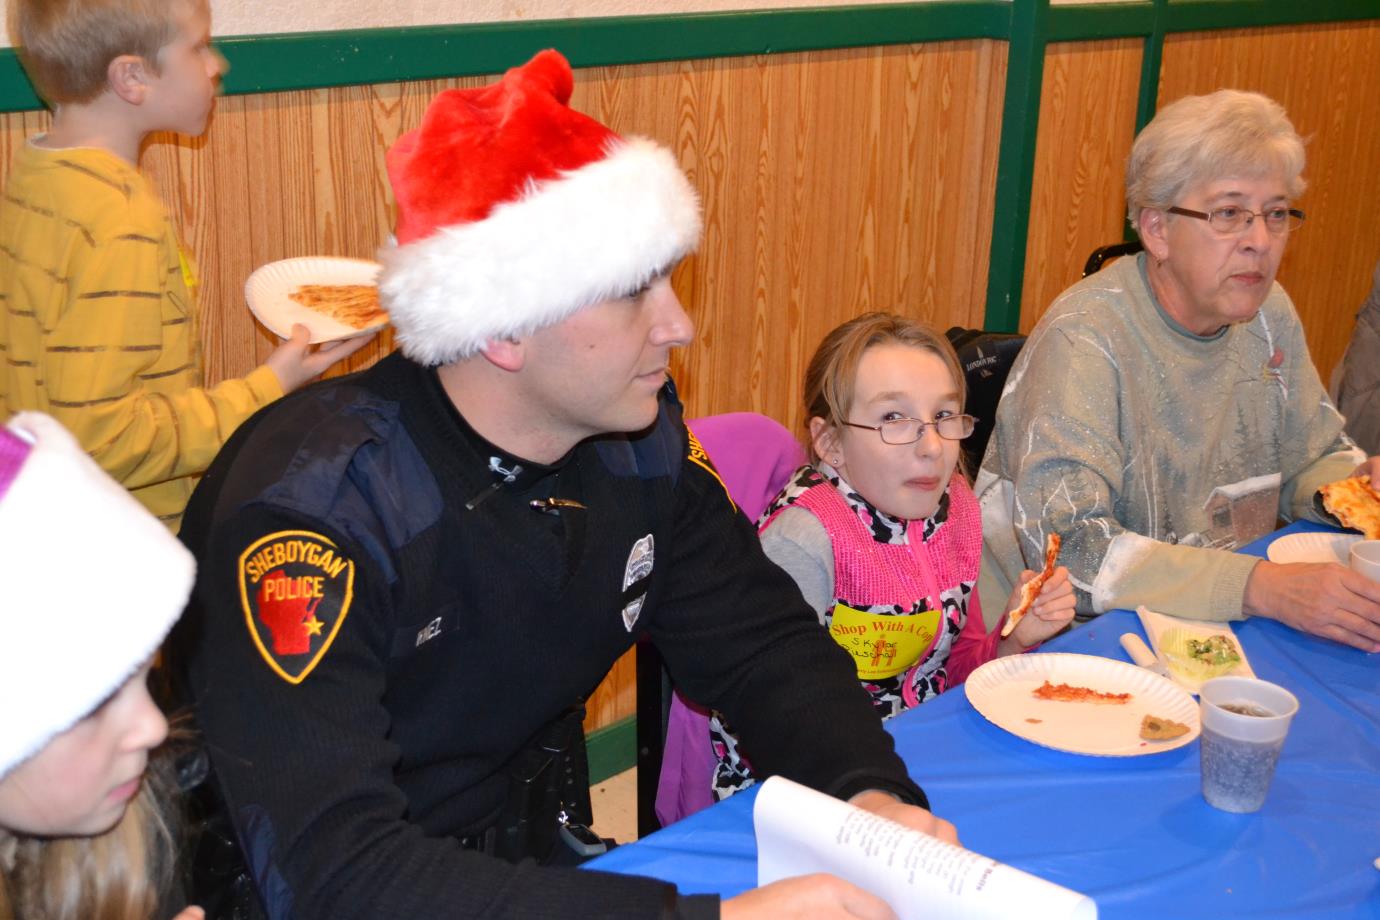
754	455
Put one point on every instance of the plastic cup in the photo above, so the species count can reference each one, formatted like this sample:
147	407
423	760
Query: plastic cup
1245	722
1365	558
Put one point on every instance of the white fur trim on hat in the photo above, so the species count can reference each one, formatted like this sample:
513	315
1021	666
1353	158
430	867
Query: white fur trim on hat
90	583
599	232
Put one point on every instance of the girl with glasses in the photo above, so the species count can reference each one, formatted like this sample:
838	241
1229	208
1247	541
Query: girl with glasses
882	538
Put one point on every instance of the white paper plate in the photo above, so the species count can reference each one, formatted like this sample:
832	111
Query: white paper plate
268	288
1313	547
1002	691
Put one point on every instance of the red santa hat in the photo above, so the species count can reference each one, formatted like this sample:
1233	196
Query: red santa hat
92	583
515	211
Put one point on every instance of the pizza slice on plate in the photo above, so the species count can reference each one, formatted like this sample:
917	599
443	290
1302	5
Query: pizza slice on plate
1072	693
1031	589
355	305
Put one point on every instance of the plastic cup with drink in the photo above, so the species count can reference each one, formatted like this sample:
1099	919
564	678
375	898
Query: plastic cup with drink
1245	722
1365	558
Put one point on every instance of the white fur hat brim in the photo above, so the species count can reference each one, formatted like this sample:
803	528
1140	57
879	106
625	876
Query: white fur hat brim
91	584
595	233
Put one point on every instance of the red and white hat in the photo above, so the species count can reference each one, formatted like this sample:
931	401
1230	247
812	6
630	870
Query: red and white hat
516	211
90	583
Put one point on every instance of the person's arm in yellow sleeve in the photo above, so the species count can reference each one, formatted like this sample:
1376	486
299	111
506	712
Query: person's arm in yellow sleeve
108	347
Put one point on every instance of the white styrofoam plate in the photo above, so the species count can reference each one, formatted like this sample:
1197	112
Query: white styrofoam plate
267	290
1002	691
1313	547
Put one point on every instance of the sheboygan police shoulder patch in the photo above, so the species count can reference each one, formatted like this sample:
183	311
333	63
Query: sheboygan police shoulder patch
700	458
295	588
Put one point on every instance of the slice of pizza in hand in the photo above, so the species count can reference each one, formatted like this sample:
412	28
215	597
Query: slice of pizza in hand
1031	589
1356	503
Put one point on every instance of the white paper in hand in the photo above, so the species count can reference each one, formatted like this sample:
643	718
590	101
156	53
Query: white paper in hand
800	831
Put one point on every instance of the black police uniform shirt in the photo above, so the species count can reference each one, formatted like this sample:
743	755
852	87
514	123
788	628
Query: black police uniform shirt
382	620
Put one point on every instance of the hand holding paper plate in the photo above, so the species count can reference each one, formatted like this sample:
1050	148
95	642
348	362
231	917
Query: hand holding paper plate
334	298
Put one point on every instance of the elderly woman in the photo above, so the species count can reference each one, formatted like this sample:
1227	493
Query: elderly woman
1165	410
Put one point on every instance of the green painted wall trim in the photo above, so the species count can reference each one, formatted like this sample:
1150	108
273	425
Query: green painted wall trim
309	60
16	92
1150	66
1016	163
1100	20
612	749
1149	93
1200	15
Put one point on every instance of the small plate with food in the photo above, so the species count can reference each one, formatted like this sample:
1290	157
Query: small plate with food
1194	651
1084	704
333	297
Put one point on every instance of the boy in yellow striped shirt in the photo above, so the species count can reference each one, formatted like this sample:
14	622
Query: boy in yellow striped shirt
98	318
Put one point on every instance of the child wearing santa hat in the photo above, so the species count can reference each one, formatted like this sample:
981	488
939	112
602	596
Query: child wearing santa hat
92	584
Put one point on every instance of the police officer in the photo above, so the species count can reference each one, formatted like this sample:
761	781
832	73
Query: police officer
411	577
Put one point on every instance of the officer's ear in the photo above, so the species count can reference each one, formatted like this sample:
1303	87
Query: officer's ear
506	354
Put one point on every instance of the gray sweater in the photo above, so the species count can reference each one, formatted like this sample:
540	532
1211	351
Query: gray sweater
1359	396
1152	451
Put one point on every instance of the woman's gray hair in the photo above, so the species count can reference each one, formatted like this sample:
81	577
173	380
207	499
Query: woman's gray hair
1197	139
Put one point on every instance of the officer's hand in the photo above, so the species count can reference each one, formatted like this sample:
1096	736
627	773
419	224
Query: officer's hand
818	897
879	803
191	913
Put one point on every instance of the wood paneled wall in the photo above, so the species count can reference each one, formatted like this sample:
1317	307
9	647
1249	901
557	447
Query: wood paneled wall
833	182
1078	195
1328	79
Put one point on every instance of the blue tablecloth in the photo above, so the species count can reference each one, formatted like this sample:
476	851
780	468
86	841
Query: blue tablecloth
1133	833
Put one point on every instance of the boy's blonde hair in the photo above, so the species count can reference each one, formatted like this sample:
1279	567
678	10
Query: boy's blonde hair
66	46
833	370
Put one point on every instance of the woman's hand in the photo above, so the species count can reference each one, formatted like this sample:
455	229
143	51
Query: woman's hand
1051	612
1370	468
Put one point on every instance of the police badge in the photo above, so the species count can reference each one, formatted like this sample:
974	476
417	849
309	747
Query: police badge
639	566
